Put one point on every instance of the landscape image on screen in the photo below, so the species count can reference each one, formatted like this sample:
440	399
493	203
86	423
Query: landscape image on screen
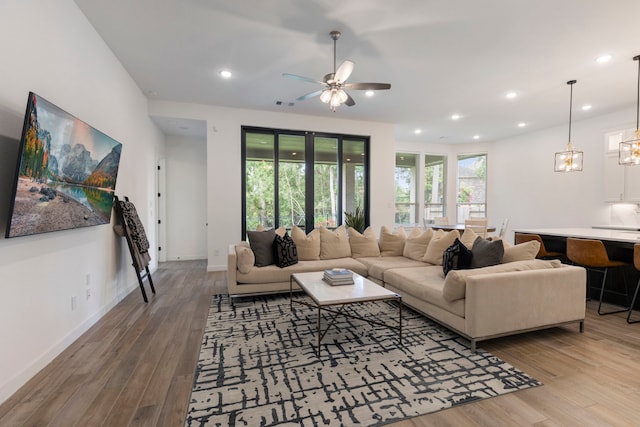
66	174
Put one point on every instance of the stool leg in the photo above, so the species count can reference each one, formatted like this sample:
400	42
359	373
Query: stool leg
633	303
602	289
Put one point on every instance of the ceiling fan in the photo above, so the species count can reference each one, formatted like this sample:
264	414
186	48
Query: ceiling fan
334	84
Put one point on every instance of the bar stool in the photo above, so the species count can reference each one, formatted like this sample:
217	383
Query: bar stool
592	255
636	264
543	253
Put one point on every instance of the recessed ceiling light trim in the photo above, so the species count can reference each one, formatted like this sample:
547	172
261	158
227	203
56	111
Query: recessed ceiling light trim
226	74
511	95
455	117
602	59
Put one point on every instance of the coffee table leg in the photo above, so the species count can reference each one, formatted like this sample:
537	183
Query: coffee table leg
319	331
400	314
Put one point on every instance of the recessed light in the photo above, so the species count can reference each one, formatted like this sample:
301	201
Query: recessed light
521	124
511	95
604	58
417	131
455	116
476	136
369	93
586	107
226	74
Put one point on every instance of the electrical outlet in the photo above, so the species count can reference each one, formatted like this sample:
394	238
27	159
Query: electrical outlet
74	302
88	293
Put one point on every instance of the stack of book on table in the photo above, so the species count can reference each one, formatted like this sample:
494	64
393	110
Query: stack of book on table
338	276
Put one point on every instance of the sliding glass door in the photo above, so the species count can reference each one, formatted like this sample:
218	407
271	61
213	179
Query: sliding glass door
302	178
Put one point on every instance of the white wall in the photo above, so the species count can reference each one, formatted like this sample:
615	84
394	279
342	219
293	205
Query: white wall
521	183
224	161
525	189
49	47
186	198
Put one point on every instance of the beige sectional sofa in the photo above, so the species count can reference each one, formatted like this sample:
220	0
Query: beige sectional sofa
520	294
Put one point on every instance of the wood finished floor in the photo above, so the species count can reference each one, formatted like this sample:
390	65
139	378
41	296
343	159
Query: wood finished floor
135	368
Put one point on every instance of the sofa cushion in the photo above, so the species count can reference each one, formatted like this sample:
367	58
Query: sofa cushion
486	252
262	246
415	246
392	244
245	259
363	245
275	274
376	266
520	252
307	245
456	257
334	244
285	251
424	283
455	284
440	241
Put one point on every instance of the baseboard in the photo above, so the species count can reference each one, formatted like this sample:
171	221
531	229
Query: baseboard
13	384
217	268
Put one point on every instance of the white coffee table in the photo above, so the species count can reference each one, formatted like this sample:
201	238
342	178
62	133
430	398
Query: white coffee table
325	295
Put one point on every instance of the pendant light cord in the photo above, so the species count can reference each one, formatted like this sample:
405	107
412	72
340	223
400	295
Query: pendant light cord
570	83
637	58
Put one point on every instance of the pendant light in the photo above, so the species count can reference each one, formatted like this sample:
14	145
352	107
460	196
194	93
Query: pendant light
629	151
569	160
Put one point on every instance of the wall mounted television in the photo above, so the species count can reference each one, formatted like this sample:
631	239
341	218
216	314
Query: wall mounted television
66	173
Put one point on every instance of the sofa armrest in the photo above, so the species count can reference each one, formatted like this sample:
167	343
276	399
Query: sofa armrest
512	301
232	262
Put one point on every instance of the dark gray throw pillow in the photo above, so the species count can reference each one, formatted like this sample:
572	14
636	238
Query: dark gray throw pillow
456	257
286	251
261	243
486	252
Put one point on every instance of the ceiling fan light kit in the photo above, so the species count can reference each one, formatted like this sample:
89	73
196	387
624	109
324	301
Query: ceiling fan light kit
333	92
629	151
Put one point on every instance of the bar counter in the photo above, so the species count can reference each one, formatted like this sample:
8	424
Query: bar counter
618	243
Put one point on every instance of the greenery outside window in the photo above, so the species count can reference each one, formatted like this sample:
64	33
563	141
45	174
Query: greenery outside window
435	171
406	189
472	187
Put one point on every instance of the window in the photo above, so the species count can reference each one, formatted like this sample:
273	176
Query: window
435	171
301	178
406	188
472	187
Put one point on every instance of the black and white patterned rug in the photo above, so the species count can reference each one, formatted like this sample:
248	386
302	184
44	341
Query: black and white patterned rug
258	367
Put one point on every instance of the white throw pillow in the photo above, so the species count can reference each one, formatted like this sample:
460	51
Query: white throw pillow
363	245
392	244
438	244
308	245
416	244
334	244
521	252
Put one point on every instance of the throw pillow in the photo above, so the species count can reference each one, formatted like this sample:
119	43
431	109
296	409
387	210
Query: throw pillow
262	246
363	245
334	244
416	244
438	244
245	259
468	237
486	252
456	257
308	245
392	244
286	251
523	251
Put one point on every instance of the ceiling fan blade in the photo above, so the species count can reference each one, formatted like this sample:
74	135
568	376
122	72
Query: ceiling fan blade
349	102
310	95
344	71
306	79
368	86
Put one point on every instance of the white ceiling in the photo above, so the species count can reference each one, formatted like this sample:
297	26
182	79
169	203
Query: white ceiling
440	56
